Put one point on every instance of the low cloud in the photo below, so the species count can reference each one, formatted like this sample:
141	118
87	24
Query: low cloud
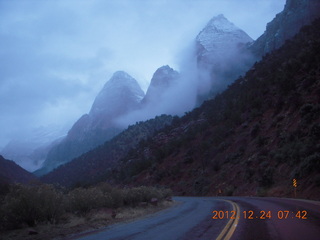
56	55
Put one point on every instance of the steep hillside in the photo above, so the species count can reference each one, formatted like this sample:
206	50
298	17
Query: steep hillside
252	139
10	172
92	166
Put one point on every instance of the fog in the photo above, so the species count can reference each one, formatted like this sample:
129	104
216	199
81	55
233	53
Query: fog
55	56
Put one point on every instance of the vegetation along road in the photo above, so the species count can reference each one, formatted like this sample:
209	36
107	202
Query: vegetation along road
222	218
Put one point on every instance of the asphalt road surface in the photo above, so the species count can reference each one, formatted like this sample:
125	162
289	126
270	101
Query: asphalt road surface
222	218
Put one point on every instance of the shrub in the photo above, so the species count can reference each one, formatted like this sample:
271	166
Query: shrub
81	200
200	185
309	112
310	164
188	160
255	130
143	194
31	204
229	190
315	131
266	180
117	199
316	180
262	191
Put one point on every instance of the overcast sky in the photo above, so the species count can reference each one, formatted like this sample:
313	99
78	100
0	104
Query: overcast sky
55	56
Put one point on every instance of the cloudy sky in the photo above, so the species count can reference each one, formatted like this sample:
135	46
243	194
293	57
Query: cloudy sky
55	55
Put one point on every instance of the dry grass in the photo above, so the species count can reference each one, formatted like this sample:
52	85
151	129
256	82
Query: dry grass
73	224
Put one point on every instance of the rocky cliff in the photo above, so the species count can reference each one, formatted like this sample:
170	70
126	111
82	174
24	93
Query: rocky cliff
119	95
296	14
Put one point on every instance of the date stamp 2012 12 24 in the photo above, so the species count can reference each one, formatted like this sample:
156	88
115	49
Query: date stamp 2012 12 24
284	214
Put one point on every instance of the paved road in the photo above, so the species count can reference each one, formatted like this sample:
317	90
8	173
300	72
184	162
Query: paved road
237	218
289	219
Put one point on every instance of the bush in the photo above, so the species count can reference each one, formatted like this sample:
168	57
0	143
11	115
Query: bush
266	180
30	205
200	186
310	164
81	200
309	112
229	191
133	196
255	130
116	196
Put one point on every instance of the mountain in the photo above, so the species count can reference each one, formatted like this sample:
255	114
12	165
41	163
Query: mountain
119	95
220	54
251	140
218	41
97	163
296	14
161	98
10	172
162	79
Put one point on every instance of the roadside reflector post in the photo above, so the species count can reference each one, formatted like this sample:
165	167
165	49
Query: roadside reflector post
295	184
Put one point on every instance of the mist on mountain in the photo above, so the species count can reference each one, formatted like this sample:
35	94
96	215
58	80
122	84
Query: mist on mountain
170	92
120	95
56	56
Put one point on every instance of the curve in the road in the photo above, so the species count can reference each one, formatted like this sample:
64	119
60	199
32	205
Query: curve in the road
194	220
231	226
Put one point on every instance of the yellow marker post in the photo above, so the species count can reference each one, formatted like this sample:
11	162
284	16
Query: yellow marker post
295	184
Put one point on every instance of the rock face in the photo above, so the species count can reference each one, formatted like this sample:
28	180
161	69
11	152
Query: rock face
162	79
119	95
220	55
296	14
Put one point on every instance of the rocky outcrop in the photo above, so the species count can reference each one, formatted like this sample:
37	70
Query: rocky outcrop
296	14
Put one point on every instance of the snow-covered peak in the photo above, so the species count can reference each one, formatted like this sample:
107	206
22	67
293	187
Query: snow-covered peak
120	76
219	32
116	92
163	76
121	79
220	23
219	38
